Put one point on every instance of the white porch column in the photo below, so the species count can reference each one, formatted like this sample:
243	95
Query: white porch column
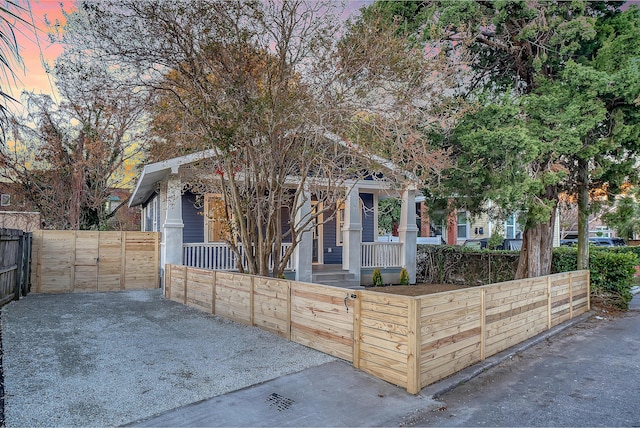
408	233
172	227
352	235
303	253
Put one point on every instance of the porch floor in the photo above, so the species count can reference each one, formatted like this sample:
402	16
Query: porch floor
335	276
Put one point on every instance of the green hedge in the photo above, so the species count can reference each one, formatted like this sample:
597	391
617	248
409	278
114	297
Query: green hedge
611	270
445	264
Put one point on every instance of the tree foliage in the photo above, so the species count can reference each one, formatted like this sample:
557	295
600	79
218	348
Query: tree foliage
65	157
624	218
554	115
267	87
11	19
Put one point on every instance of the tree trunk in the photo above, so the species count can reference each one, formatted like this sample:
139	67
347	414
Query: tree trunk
583	214
537	249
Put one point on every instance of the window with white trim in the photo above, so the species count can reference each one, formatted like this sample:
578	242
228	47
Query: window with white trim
5	200
463	225
512	228
340	222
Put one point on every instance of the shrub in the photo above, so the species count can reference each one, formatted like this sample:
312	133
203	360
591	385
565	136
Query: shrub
611	271
377	278
404	277
444	264
612	275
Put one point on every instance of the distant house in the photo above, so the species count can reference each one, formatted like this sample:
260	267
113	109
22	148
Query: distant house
461	226
120	215
341	251
15	211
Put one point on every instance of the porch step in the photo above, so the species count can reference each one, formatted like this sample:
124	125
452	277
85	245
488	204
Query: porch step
336	278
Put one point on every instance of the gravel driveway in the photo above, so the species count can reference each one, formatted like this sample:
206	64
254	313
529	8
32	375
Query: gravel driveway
105	359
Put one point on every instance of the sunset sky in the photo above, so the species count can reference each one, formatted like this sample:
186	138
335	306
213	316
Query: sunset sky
35	47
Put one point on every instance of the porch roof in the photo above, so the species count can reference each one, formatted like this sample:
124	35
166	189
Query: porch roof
155	172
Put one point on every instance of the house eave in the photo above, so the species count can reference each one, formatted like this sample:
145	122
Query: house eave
156	172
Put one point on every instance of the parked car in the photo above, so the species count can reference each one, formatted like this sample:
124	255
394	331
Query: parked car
476	243
569	242
607	242
599	242
507	244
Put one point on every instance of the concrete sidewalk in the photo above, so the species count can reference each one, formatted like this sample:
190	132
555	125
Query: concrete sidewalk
332	395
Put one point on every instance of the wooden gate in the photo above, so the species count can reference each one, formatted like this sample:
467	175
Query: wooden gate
81	261
15	251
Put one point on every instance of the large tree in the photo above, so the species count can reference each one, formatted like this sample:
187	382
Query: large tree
65	157
265	85
547	120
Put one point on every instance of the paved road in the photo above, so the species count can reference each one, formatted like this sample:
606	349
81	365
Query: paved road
588	375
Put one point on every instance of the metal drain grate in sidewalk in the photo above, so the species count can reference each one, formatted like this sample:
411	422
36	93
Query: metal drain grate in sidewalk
279	402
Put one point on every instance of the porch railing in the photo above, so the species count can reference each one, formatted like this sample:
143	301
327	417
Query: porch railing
218	256
381	254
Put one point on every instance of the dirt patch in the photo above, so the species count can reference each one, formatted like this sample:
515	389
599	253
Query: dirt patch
416	290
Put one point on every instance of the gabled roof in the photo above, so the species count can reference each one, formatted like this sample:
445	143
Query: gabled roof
155	172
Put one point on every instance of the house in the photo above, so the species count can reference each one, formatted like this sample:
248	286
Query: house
119	215
461	226
341	250
15	210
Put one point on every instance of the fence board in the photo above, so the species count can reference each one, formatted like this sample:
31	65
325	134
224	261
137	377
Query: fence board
271	305
15	258
408	341
322	311
111	263
67	261
233	296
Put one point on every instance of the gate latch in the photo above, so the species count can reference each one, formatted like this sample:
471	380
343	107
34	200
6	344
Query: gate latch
352	296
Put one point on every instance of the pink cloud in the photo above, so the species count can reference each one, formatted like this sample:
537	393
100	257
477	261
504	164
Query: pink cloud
34	45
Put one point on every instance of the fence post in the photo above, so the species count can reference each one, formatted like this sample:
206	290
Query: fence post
588	290
483	328
167	282
548	302
26	271
413	341
20	256
185	283
570	296
357	323
252	292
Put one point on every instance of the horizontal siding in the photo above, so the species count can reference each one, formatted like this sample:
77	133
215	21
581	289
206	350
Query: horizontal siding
368	218
329	241
193	220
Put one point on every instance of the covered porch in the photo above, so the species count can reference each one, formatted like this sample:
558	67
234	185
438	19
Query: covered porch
340	250
386	256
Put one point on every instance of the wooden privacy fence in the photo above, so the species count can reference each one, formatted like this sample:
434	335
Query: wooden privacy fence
81	261
409	341
15	251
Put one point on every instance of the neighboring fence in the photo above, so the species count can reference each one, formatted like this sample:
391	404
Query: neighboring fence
408	341
80	261
15	257
219	256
